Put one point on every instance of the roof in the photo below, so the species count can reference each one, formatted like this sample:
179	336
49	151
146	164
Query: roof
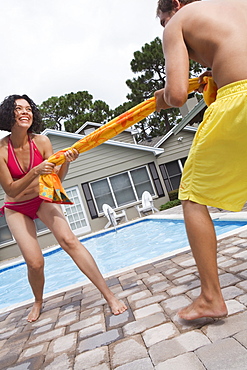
96	125
195	115
153	141
71	135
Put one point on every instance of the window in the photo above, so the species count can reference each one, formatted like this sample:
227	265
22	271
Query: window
75	212
40	226
171	173
122	189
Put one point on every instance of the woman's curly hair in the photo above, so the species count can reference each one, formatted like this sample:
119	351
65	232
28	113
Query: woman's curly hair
7	113
167	5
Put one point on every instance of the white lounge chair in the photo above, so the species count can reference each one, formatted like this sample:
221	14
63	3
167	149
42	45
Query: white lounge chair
147	204
112	216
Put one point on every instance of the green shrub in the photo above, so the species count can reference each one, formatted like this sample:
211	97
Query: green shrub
170	204
173	194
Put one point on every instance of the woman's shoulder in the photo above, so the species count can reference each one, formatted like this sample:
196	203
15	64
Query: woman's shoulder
40	139
43	144
4	141
4	146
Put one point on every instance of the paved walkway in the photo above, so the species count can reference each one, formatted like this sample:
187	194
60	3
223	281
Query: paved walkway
76	330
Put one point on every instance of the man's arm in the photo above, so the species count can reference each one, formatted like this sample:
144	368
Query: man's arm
177	63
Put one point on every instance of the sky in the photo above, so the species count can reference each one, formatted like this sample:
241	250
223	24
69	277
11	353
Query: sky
52	47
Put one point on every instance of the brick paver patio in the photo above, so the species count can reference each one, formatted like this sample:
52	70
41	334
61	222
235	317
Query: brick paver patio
77	331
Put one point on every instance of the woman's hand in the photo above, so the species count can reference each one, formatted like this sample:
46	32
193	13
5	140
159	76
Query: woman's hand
44	168
71	155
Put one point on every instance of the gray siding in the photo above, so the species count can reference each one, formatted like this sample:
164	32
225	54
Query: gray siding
125	137
104	160
100	162
175	149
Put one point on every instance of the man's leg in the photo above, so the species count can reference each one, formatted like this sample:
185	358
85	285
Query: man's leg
203	243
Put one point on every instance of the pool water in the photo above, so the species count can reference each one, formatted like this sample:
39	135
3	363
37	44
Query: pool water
131	244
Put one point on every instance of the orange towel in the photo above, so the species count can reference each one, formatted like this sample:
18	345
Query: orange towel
50	186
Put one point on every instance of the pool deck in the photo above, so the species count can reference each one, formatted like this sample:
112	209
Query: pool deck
77	331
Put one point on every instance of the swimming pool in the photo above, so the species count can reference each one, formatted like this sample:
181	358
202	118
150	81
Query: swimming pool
132	244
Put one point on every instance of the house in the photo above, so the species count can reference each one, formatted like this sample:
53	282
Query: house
116	172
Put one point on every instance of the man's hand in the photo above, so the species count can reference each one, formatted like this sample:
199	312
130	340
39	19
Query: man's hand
200	80
160	101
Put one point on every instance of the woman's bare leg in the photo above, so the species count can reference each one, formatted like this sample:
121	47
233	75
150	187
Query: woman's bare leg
24	231
52	216
203	243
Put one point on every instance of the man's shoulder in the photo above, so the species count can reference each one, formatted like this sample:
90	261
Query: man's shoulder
187	14
194	16
193	9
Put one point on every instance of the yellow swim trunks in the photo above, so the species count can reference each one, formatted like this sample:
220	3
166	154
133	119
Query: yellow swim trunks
215	173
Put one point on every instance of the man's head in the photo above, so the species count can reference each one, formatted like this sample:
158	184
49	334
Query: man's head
167	8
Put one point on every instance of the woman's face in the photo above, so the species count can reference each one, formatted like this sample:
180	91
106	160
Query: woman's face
23	113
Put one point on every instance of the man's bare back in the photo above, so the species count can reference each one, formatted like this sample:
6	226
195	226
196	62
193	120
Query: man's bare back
216	36
213	33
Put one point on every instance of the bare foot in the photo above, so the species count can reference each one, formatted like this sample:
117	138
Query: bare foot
35	312
201	308
116	306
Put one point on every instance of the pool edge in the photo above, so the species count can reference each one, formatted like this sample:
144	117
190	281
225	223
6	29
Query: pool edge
215	216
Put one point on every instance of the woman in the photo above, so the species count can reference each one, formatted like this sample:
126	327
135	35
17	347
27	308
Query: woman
23	158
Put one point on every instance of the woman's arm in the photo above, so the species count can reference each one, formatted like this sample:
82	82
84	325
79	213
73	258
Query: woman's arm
70	156
42	141
15	187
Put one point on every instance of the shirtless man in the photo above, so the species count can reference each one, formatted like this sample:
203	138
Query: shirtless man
213	33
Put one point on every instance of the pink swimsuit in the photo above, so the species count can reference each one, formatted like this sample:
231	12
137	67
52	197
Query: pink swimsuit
28	207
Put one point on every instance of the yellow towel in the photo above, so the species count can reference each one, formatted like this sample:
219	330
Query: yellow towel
51	189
